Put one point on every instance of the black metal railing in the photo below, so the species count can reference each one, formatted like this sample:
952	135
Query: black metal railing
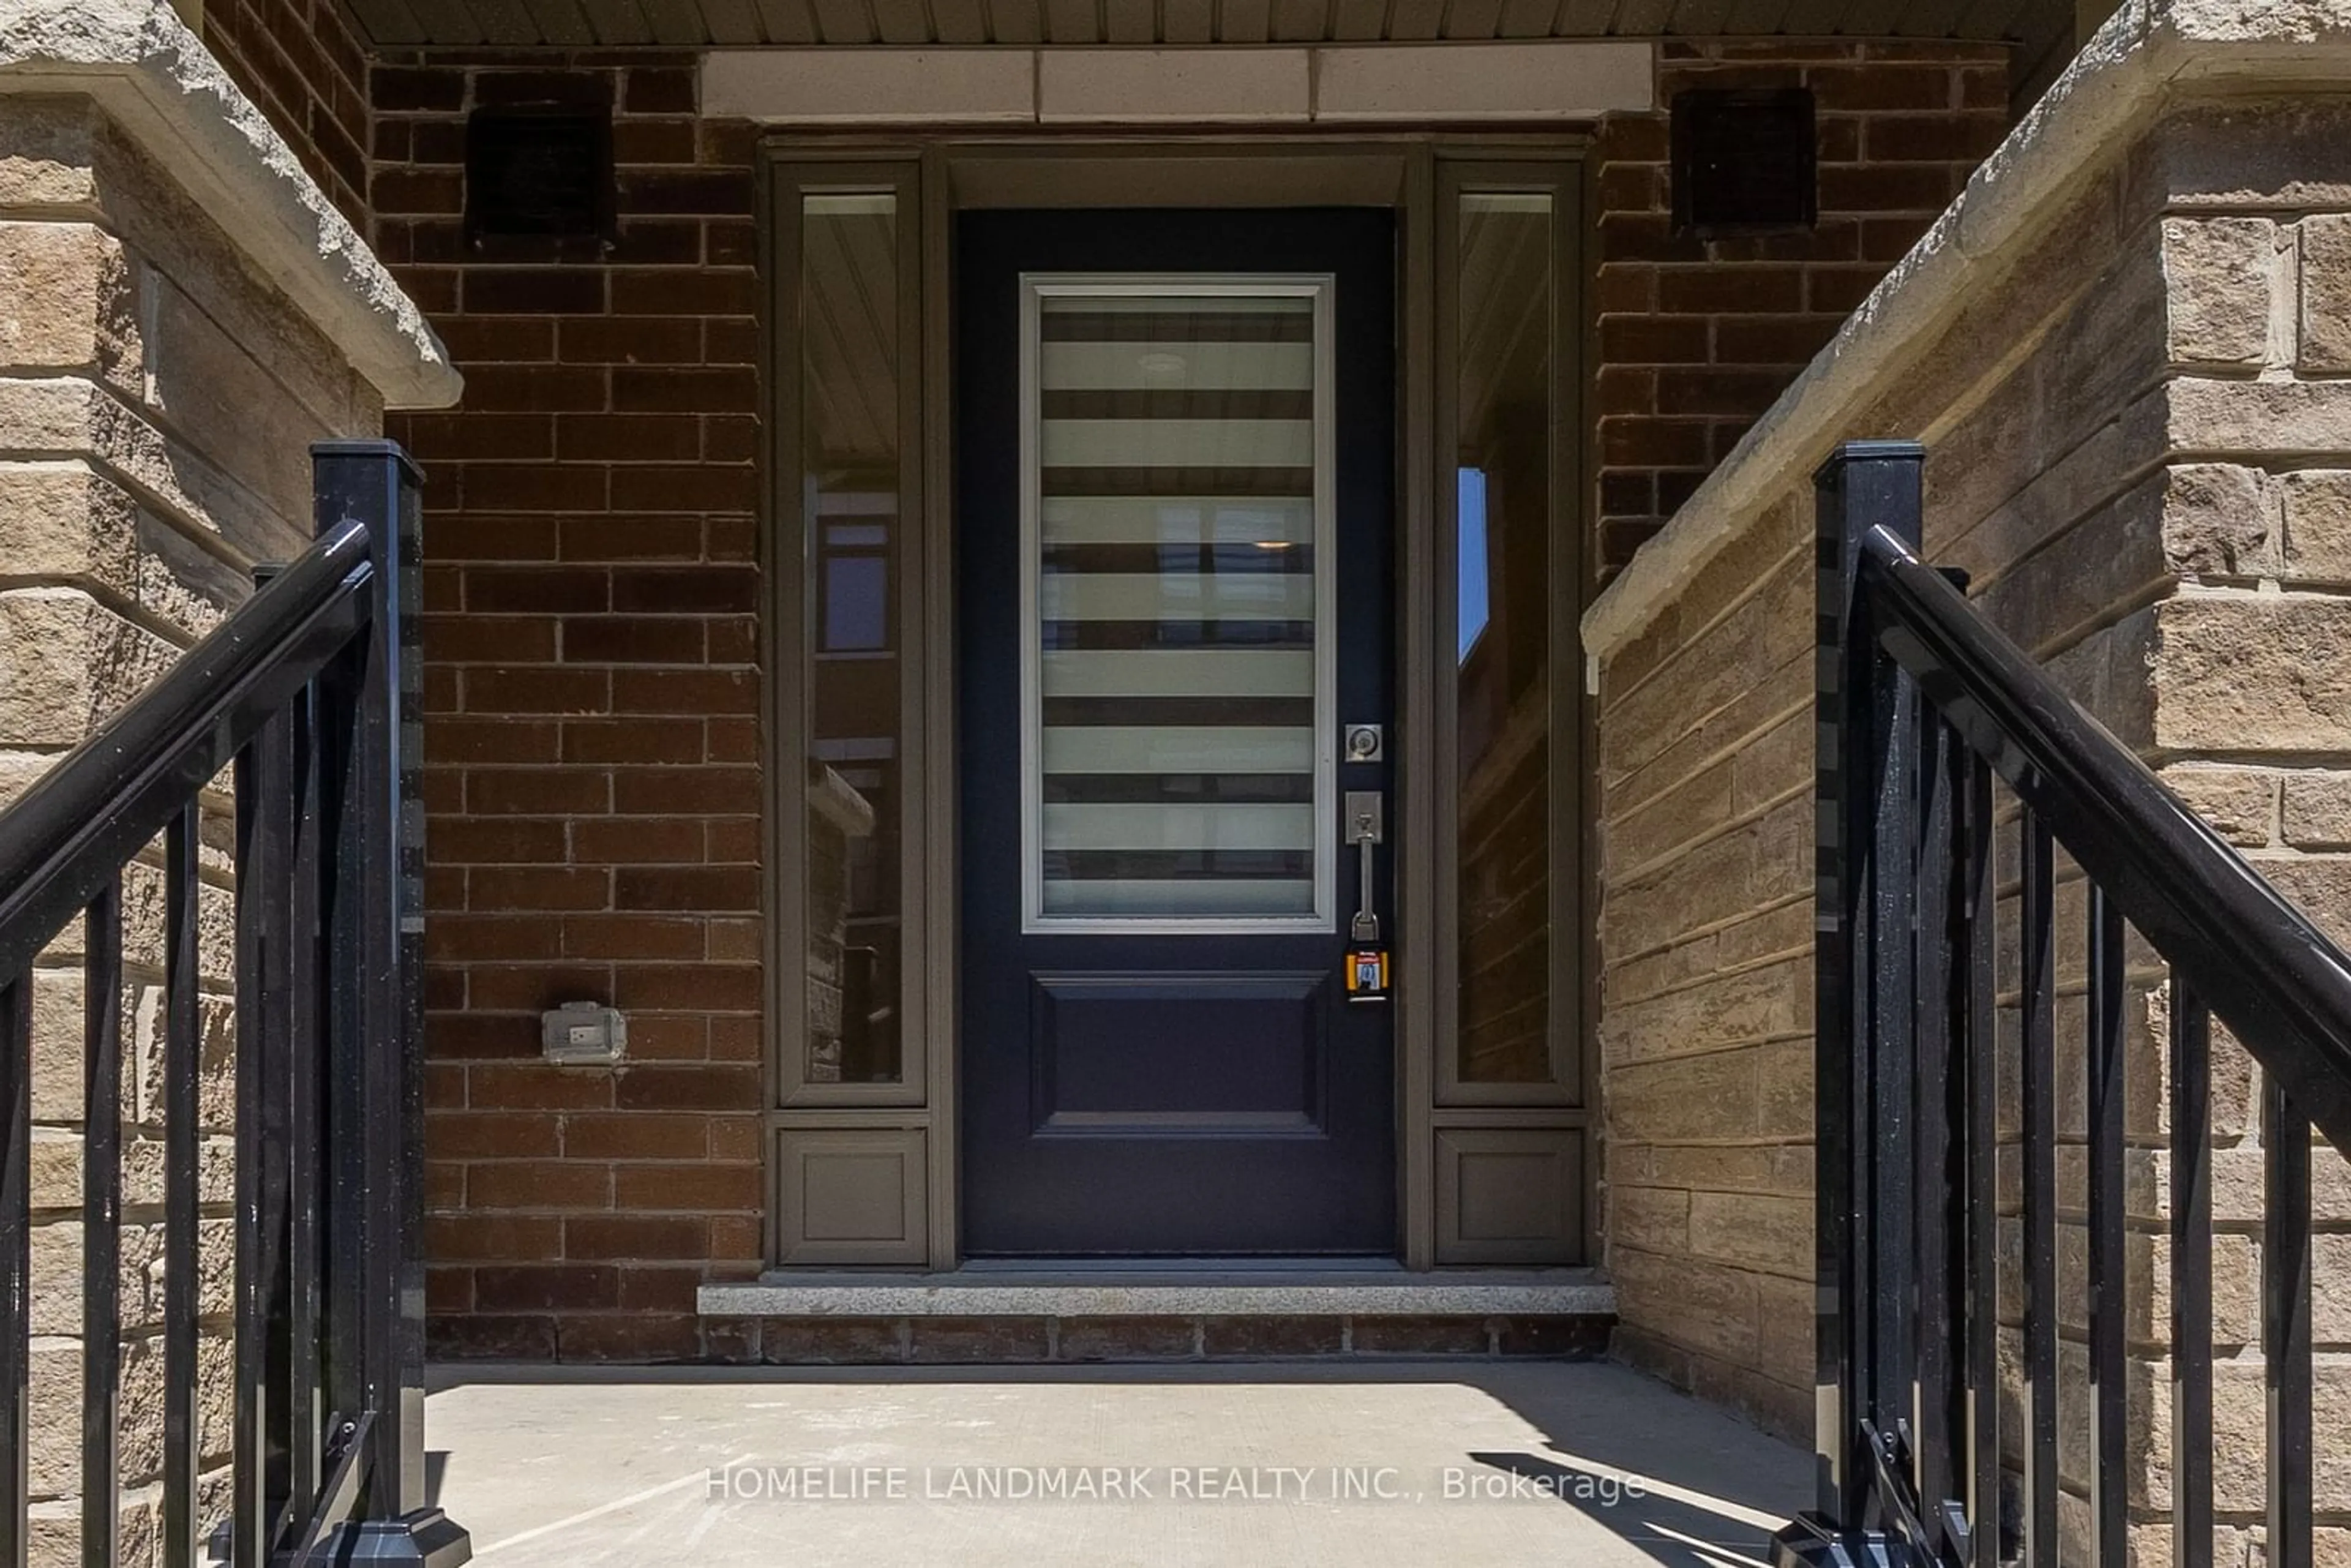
1922	703
309	690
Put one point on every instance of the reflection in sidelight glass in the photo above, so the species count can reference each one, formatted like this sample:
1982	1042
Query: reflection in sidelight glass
1175	684
849	378
1502	740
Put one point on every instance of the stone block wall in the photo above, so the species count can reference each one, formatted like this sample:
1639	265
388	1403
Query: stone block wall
2138	447
591	734
1697	336
157	403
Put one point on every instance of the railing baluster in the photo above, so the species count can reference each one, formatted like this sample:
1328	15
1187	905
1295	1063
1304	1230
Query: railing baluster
101	1227
2192	1279
264	824
1980	871
2038	923
2285	1324
2109	1408
306	1149
1935	1192
182	969
16	1264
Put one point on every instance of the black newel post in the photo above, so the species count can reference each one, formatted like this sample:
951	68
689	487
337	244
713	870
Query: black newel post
1865	876
372	722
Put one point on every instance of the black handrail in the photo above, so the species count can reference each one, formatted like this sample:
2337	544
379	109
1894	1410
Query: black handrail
2275	978
61	841
310	689
1921	701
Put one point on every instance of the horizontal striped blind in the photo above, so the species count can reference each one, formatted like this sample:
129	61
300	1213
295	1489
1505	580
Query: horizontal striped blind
1175	595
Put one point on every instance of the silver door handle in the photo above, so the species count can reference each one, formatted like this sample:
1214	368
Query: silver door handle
1366	826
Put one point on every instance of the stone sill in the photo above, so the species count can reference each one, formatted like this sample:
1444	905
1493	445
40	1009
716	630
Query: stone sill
2150	53
1127	1292
155	80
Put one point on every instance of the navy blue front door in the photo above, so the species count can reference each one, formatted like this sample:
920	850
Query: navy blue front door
1175	470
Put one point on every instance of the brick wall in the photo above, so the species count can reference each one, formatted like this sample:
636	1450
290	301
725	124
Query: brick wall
307	71
1697	337
2107	420
591	740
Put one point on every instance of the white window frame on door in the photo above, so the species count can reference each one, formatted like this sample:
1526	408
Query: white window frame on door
1035	289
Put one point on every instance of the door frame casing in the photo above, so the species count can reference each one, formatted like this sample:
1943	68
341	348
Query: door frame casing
956	173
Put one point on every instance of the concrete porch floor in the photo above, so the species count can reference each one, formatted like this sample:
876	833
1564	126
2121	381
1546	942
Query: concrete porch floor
1294	1464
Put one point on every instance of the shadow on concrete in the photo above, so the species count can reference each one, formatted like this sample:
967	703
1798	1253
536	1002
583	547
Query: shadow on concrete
1671	1478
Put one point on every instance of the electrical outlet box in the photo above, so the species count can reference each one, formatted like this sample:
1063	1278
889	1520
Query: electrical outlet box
583	1034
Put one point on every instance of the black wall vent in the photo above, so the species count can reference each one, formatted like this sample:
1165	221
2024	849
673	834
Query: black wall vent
539	174
1744	160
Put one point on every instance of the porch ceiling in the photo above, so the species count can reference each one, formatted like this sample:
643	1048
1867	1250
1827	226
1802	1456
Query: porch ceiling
2033	24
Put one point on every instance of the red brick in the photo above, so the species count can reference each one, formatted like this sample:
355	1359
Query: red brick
537	1184
630	936
683	691
685	589
536	389
536	792
531	291
631	341
548	590
472	939
653	141
624	640
1932	138
500	1337
714	791
459	841
648	90
630	1337
511	436
477	740
700	889
411	190
637	841
619	538
725	192
493	340
689	1086
466	1237
702	488
661	1291
476	639
536	86
394	88
731	987
670	389
636	1135
1873	86
484	535
630	1236
547	1288
628	438
689	1188
1737	290
681	291
536	1088
1653	341
538	888
528	690
505	1134
1887	187
633	740
536	988
534	486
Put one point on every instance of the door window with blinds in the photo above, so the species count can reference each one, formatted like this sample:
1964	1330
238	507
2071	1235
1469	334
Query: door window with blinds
1177	667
